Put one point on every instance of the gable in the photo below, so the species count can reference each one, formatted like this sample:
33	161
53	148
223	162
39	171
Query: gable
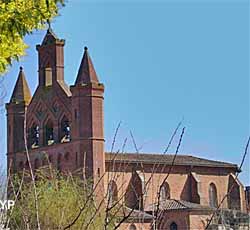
49	102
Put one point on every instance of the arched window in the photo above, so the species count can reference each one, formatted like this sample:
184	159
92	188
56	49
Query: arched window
132	227
112	193
59	162
65	130
49	133
173	226
213	200
134	193
34	136
164	191
48	76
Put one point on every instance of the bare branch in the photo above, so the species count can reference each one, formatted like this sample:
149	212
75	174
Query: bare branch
231	188
31	171
166	177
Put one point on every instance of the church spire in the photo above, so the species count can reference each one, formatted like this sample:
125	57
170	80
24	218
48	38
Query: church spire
51	59
21	92
50	37
86	73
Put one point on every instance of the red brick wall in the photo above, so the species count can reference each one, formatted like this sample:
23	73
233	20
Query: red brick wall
139	226
198	220
177	180
181	218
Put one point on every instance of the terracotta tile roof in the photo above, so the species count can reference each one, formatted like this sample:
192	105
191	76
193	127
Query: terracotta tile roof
133	214
173	204
149	158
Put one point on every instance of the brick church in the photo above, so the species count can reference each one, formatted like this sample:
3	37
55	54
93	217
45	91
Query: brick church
66	124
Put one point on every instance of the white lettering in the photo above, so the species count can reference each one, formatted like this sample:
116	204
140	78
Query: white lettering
6	204
3	204
11	203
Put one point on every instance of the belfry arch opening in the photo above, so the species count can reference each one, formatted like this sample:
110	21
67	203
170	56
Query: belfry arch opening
64	134
49	133
34	136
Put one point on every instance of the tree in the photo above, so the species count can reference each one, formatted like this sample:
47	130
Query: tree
19	18
60	197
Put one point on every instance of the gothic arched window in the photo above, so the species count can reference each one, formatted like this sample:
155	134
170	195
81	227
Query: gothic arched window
213	200
173	226
164	191
65	130
34	136
112	193
49	133
134	193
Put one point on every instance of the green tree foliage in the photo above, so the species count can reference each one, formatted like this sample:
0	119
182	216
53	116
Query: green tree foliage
19	18
60	199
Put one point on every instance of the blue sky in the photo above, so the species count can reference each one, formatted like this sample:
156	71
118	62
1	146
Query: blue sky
160	61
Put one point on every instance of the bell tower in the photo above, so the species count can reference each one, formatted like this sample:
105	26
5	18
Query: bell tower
16	109
87	120
51	59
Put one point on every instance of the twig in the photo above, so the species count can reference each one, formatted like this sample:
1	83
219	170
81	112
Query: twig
231	188
112	148
169	171
124	219
89	197
156	166
140	199
16	194
31	171
114	138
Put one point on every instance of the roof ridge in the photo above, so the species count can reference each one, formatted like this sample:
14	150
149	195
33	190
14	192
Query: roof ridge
220	161
167	159
150	153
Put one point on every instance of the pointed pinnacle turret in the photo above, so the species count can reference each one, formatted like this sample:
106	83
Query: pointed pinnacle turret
50	37
21	92
86	73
